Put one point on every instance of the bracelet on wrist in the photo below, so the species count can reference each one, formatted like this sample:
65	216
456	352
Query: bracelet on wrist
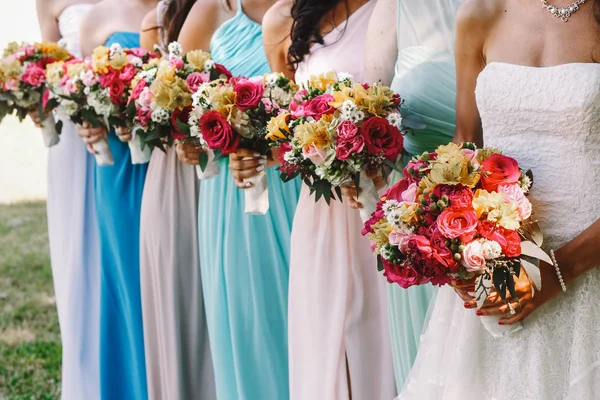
558	273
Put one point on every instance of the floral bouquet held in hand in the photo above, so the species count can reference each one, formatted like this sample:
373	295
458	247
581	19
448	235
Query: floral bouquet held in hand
336	132
460	214
161	100
23	82
230	114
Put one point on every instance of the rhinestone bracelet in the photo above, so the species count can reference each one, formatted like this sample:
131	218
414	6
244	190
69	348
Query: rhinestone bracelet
557	269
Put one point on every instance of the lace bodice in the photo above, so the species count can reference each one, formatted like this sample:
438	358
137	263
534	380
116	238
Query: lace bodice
548	119
68	25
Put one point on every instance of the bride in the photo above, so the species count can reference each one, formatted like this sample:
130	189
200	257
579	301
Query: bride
528	83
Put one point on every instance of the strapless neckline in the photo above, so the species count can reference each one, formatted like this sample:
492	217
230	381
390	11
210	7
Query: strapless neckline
541	68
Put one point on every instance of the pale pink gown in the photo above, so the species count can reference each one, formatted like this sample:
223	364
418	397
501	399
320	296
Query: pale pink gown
338	324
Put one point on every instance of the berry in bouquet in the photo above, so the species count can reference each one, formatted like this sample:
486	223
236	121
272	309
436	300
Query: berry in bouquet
161	100
231	114
23	82
460	214
336	132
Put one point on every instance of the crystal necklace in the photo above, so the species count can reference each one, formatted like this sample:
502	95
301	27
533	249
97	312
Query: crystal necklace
563	13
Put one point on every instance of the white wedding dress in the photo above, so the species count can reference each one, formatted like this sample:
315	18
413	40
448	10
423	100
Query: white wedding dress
74	251
549	120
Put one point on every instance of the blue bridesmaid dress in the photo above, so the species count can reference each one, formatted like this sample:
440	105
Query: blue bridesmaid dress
118	196
245	258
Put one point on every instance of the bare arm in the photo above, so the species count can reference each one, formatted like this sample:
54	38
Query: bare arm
470	36
199	26
149	31
47	20
382	43
277	25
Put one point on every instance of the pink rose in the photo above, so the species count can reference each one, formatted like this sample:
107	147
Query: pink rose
346	130
33	75
442	254
195	79
144	116
141	85
269	105
472	257
248	94
497	170
319	106
115	92
127	73
11	84
403	275
381	138
176	62
471	156
400	239
298	104
107	79
88	78
146	97
410	194
348	140
458	223
218	133
459	196
514	194
314	154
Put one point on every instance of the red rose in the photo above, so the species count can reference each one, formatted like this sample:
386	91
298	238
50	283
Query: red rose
127	73
458	223
459	196
320	106
217	132
403	275
441	280
116	90
395	192
497	170
512	248
248	94
441	253
107	79
220	70
382	138
489	230
375	218
181	116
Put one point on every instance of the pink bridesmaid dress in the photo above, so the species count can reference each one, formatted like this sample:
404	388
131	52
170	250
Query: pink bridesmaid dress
339	340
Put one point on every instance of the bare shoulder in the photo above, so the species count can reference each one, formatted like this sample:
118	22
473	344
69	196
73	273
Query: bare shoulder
150	21
205	9
277	22
479	14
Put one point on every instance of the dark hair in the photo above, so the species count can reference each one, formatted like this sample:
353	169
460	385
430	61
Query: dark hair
175	16
306	28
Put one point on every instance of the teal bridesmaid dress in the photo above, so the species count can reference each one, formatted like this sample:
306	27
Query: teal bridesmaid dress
245	258
118	195
425	77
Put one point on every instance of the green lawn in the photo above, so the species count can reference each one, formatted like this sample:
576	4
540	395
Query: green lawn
30	350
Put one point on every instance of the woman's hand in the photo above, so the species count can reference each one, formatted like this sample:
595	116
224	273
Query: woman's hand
245	164
351	192
187	153
35	116
91	135
124	134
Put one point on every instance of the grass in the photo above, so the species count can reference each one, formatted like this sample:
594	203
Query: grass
30	349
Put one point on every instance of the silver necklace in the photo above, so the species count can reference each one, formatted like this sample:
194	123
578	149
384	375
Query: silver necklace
563	13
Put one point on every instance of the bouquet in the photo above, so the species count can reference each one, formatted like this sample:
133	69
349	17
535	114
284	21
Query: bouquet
161	100
234	113
109	88
460	213
336	131
22	82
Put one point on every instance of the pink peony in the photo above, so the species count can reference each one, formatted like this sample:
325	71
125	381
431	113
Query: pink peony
514	194
458	223
319	106
33	75
314	154
195	79
459	196
349	140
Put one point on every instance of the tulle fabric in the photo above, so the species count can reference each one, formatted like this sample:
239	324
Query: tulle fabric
425	78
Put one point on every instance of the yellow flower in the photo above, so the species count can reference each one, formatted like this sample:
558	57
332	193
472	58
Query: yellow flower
165	74
118	61
54	72
198	58
496	208
75	69
10	49
322	81
379	237
506	216
375	100
100	59
408	213
451	167
170	91
316	133
10	68
277	127
47	47
486	152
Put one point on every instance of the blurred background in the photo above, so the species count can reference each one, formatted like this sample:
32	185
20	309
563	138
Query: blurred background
22	153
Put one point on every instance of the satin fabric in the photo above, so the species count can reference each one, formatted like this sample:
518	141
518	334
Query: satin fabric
425	78
245	258
118	195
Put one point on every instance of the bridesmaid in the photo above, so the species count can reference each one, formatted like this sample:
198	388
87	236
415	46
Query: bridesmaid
76	260
244	258
424	75
339	344
118	195
178	361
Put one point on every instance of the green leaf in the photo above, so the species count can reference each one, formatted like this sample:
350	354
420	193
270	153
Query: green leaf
392	165
59	126
531	249
203	160
338	191
483	288
531	265
510	285
499	279
379	264
183	128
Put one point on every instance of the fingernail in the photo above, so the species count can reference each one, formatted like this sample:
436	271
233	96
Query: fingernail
262	161
248	184
467	304
256	154
260	168
501	323
478	313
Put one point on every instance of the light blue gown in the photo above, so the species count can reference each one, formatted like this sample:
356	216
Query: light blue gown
425	77
118	195
245	258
